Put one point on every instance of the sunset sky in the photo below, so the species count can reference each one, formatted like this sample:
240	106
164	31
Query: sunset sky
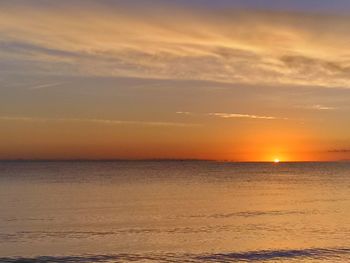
225	80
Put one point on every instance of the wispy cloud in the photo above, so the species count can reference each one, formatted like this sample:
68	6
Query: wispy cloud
339	151
238	115
322	107
105	39
47	85
317	107
226	115
184	112
99	121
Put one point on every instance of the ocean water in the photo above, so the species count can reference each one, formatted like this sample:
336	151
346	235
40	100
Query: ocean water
178	211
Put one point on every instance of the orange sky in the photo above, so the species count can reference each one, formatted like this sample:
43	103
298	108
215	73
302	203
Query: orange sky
123	81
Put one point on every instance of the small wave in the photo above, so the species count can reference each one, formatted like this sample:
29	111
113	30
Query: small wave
253	214
249	256
263	255
261	213
24	235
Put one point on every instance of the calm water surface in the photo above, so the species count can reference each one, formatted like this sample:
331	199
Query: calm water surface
174	212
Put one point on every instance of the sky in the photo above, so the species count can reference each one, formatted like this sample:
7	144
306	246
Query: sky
182	79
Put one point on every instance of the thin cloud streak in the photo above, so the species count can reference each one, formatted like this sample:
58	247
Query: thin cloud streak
321	107
184	112
231	115
318	107
238	115
44	86
339	151
99	121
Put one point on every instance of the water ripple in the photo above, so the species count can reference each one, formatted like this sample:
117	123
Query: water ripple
249	256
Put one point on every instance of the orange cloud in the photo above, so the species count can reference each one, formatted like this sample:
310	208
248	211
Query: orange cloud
271	48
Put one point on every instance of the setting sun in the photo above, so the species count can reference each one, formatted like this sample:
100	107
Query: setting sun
276	160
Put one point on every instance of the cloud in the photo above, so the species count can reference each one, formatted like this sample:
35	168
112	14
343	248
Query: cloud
43	86
99	121
108	38
318	107
339	151
231	115
184	112
321	107
237	115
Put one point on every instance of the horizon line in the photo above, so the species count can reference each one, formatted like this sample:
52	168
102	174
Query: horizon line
159	160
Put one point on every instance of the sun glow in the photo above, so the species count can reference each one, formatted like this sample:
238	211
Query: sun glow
276	160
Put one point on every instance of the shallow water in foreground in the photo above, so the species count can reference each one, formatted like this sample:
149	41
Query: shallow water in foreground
174	212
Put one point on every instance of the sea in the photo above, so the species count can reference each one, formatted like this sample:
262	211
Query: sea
174	211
